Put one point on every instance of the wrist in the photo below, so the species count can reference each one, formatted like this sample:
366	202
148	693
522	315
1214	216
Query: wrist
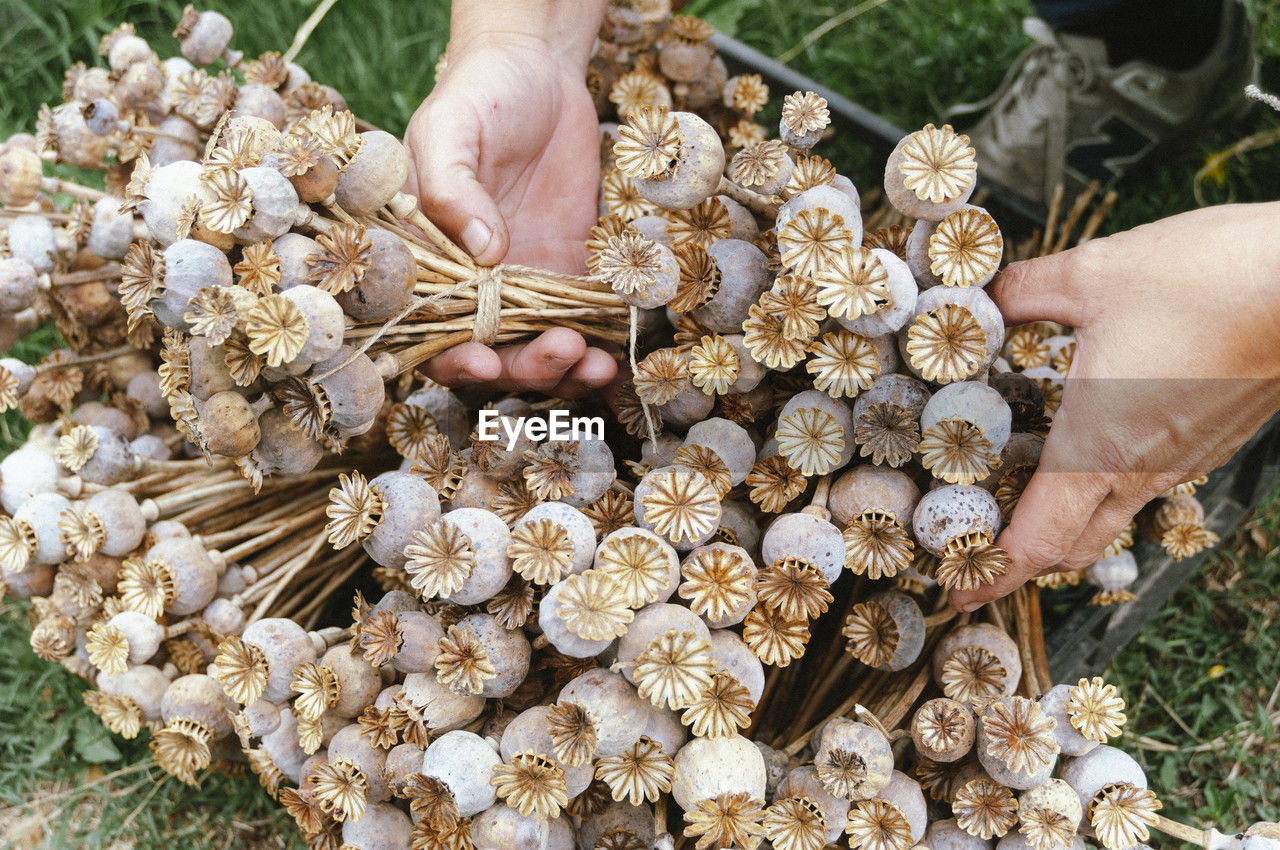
561	31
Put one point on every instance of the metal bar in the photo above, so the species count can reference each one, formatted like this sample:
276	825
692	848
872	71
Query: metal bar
1089	638
870	126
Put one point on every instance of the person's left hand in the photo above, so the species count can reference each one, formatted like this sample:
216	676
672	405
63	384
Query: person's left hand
1177	365
504	157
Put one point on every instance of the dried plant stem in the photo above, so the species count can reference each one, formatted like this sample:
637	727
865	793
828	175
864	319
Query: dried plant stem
1095	220
1051	222
86	359
308	26
262	541
1073	217
109	271
315	606
294	567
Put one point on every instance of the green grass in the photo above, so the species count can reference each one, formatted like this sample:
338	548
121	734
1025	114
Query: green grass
65	783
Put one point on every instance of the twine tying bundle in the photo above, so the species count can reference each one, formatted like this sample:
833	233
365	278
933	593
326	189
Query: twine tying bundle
488	304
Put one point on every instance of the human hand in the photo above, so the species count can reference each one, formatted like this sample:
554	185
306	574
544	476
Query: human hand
1177	364
504	157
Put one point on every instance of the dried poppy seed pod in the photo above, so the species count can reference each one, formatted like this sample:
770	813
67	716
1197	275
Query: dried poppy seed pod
690	405
744	277
872	488
136	634
802	782
325	322
177	141
1049	814
194	573
732	655
19	284
645	567
260	664
688	171
1015	742
894	309
170	189
123	521
1101	772
825	200
489	537
530	731
963	429
204	36
951	512
678	504
21	175
386	286
806	536
931	173
283	447
254	100
439	707
853	759
464	762
943	729
112	231
229	423
719	583
354	390
292	250
144	684
383	827
402	503
1051	384
31	238
705	768
505	659
616	712
1070	741
24	373
1113	575
374	175
886	631
729	440
276	207
953	335
947	835
196	713
207	368
976	664
358	681
38	539
815	433
189	266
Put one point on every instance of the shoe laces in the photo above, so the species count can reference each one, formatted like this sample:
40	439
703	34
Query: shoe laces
1028	104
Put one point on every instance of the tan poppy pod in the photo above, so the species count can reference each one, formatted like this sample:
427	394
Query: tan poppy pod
708	767
386	287
464	762
489	537
803	782
853	759
885	631
1070	741
325	322
283	447
1113	575
931	173
815	225
383	827
194	572
718	580
744	277
355	390
964	427
19	284
229	423
144	684
872	488
37	521
530	732
189	266
21	174
281	645
196	714
943	729
374	175
349	745
976	664
691	172
440	707
31	238
575	536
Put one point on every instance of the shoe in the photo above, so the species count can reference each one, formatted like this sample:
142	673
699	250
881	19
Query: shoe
1065	116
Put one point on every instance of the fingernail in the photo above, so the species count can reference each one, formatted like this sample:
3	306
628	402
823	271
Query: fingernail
476	236
970	607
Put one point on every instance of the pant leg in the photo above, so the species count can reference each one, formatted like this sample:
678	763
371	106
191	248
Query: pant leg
1174	33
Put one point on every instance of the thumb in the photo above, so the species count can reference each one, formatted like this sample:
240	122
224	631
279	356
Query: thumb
442	173
1055	508
1056	287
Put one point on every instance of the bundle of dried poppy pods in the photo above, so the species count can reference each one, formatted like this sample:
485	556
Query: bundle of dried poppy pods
728	644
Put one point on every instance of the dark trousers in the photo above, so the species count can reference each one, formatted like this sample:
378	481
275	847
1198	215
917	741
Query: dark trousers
1174	33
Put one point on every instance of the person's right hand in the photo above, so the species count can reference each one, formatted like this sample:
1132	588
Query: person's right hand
504	157
1177	365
